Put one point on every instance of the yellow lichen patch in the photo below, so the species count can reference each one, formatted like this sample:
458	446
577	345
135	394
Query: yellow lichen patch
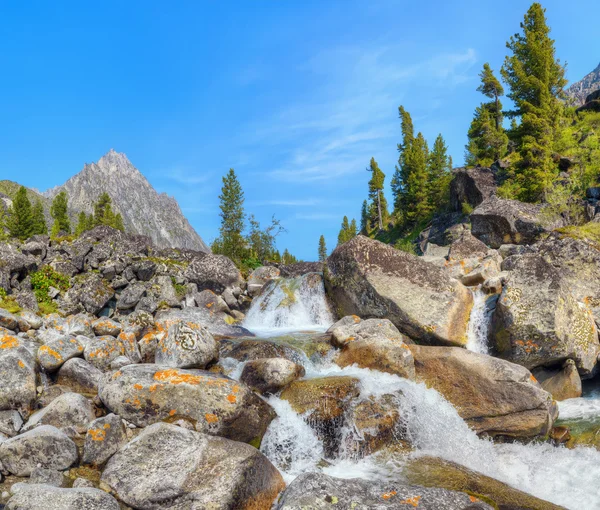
232	398
389	495
235	389
411	501
533	379
138	386
51	352
211	418
474	499
106	426
21	364
172	412
174	376
356	319
153	387
97	434
8	342
116	375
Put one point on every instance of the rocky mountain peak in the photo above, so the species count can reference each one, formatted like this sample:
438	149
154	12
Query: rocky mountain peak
582	88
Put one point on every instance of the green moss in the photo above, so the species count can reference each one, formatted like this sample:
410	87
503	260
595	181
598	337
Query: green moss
590	232
47	308
10	305
256	442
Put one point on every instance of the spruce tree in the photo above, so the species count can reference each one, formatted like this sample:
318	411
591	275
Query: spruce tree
403	170
20	220
103	213
3	220
536	80
58	211
232	216
376	184
439	168
82	223
364	218
344	231
118	222
322	249
352	231
492	88
39	220
416	186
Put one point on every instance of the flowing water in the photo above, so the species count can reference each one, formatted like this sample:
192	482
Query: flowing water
479	322
429	422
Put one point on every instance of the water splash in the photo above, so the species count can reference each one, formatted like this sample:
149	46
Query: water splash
290	304
479	322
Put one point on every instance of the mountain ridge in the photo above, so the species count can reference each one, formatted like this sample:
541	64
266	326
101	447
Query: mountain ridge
582	88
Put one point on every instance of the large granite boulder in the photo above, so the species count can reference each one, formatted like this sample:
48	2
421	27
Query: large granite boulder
18	369
373	280
69	410
91	292
214	272
186	345
217	323
145	394
471	186
170	467
493	396
46	497
497	221
259	278
538	322
270	375
319	491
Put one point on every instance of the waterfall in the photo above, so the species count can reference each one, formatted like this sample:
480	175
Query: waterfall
292	304
479	322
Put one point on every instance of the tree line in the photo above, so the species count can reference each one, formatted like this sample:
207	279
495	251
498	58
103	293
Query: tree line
22	219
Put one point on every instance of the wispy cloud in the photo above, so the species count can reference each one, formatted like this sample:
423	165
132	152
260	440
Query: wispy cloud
317	216
186	176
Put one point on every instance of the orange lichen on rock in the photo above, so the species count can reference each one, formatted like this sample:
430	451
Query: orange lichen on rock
21	364
211	418
138	386
51	352
172	412
8	342
174	376
232	398
389	495
411	501
97	434
474	499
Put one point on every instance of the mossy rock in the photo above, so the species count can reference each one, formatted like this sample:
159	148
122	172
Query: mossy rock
435	472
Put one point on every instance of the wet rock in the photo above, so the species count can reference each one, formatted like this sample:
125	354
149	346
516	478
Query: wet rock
44	446
213	272
493	396
186	345
105	326
435	472
471	186
130	296
249	350
102	350
57	351
317	490
370	279
145	394
209	300
80	376
374	343
563	383
270	375
103	438
46	497
168	466
260	277
18	369
538	322
217	323
300	269
69	410
498	221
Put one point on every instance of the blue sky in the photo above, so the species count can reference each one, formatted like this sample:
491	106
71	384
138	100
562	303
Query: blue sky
296	96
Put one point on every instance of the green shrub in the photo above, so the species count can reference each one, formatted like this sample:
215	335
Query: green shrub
9	304
467	208
47	308
43	279
406	245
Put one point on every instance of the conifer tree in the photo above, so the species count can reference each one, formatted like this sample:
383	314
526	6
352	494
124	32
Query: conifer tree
492	88
536	80
38	219
20	220
3	220
118	222
376	184
402	171
322	249
232	217
58	211
439	167
352	231
364	217
344	230
82	223
416	186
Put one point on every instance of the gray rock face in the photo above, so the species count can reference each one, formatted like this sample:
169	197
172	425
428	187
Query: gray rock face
270	375
170	467
498	221
102	350
131	296
18	369
103	438
146	394
46	497
318	491
80	376
144	211
45	445
186	345
214	272
56	351
563	383
217	323
582	88
90	292
373	280
374	343
538	322
471	186
69	410
259	277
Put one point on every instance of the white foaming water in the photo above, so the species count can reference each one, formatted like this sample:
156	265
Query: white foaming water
290	304
479	323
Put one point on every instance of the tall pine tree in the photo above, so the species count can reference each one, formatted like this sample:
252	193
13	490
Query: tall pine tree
402	171
20	220
231	242
536	80
364	217
344	230
58	211
322	249
416	192
376	195
438	169
38	219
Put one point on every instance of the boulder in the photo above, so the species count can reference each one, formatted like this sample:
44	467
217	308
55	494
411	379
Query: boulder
299	269
69	410
186	345
538	322
170	467
213	272
130	296
104	437
102	350
46	497
209	300
270	375
44	446
374	343
249	350
498	221
146	394
47	476
373	280
18	369
57	351
80	376
217	323
8	320
493	396
105	326
91	292
260	277
443	230
10	423
562	383
319	491
471	186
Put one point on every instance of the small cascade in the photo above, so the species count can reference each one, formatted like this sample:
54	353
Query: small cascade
290	304
479	322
